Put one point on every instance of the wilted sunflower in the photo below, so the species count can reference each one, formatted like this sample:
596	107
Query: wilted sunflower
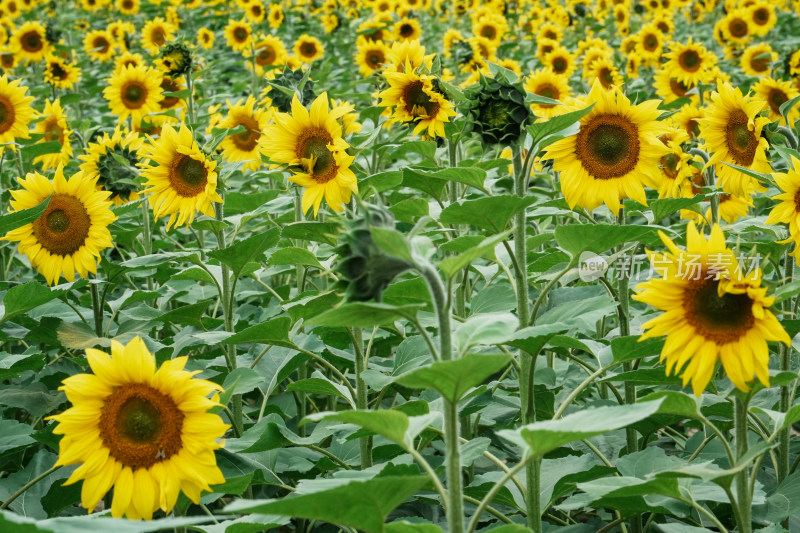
112	163
71	232
615	153
60	73
417	100
134	92
712	311
775	93
182	179
15	110
308	48
99	45
205	38
689	62
732	131
757	59
544	82
238	34
53	127
145	431
30	41
370	56
247	145
155	34
311	140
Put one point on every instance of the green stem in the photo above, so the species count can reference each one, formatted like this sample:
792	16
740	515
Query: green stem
362	402
26	486
147	242
20	164
785	354
455	486
97	308
190	100
742	482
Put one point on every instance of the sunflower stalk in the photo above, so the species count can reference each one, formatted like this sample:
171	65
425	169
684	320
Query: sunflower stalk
455	486
527	361
785	355
26	486
190	100
362	404
97	309
147	242
743	496
302	370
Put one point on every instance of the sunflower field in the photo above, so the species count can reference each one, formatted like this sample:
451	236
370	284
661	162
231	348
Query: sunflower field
399	266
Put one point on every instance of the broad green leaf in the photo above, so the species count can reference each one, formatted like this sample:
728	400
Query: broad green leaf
492	213
237	203
312	231
12	221
472	176
362	505
41	148
452	379
14	523
597	238
555	128
402	526
392	242
787	106
187	315
630	348
319	384
383	181
14	434
486	329
275	331
541	437
364	315
244	251
663	207
25	297
388	423
243	379
294	256
452	265
532	339
625	494
675	403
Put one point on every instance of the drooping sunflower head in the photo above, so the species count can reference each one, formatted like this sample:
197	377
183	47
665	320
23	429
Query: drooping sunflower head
497	109
71	232
134	92
714	311
147	427
112	163
176	59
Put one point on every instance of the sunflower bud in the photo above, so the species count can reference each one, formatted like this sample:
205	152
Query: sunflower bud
364	269
176	59
497	109
286	85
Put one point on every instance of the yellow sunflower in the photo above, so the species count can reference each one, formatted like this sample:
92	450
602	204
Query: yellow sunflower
370	56
651	43
604	71
735	26
128	7
71	232
238	34
30	41
134	92
311	141
544	82
615	153
712	311
182	179
155	34
145	431
757	59
269	52
732	131
788	210
407	29
255	11
732	207
15	110
60	73
53	127
561	61
689	62
247	145
676	167
687	119
416	100
670	89
275	16
128	59
775	93
308	48
112	162
411	53
99	45
205	38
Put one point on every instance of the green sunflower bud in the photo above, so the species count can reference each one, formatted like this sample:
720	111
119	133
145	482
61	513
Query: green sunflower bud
286	85
176	59
364	269
497	109
117	172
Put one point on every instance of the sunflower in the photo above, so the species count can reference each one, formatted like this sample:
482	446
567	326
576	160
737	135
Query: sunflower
615	153
238	34
775	93
128	7
99	45
15	111
687	119
407	29
788	210
732	207
676	167
491	27
416	100
275	16
712	311
544	82
112	163
735	26
120	32
688	62
8	59
757	59
30	41
126	59
182	179
71	232
59	73
651	43
605	72
732	131
205	38
370	56
560	60
155	34
308	48
134	92
410	53
670	89
269	52
311	141
255	11
248	145
145	431
53	127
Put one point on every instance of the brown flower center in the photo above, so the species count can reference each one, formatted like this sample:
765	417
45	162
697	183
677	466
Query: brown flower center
7	114
308	49
266	56
679	88
168	85
608	146
101	45
247	140
31	41
720	319
188	176
140	425
560	65
547	90
53	132
240	34
742	143
738	28
776	98
133	95
761	16
312	148
760	62
650	42
159	37
690	61
64	226
669	166
418	103
57	71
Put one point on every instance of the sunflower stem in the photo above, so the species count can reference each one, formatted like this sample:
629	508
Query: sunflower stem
785	354
362	404
20	164
190	100
455	486
527	361
147	243
742	478
97	309
28	485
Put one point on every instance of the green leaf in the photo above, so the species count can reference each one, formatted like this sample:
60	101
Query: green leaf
675	403
452	265
244	251
18	219
663	207
41	148
362	505
558	127
364	315
294	256
471	176
27	296
486	329
452	379
14	523
392	242
242	379
787	106
401	526
630	348
383	181
541	437
492	213
312	231
186	315
388	423
275	331
319	384
14	434
577	238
